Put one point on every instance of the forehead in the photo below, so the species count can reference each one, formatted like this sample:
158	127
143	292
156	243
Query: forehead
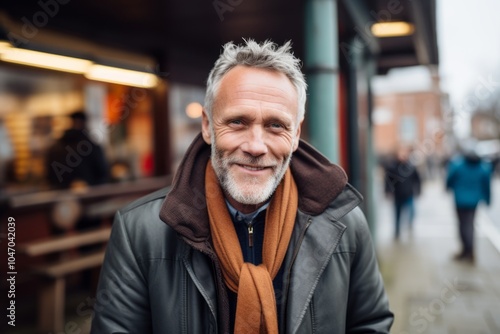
258	83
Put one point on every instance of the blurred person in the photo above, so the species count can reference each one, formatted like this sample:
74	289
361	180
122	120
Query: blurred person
495	163
403	184
470	180
258	233
75	159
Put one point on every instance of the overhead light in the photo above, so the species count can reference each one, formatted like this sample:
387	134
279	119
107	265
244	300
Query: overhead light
4	45
76	65
45	60
392	29
121	76
194	110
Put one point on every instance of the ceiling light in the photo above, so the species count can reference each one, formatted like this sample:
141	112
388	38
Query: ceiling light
194	110
76	65
121	76
392	29
45	60
4	46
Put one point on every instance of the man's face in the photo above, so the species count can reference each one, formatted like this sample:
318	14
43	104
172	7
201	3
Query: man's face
254	131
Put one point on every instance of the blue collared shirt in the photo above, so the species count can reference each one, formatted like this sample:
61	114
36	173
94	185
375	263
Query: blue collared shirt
250	230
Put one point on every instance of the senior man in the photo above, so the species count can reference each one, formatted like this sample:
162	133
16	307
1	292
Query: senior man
259	233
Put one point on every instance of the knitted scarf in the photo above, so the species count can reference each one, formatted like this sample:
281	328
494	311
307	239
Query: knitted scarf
256	303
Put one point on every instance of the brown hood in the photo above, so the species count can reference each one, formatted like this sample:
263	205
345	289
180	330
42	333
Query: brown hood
184	209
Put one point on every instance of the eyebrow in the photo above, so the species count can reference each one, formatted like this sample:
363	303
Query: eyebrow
275	115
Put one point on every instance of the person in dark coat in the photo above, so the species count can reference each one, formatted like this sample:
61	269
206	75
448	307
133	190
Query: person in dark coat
75	157
247	239
74	161
402	182
470	180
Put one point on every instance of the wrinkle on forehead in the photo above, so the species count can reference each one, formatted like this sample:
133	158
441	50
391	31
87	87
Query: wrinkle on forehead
256	88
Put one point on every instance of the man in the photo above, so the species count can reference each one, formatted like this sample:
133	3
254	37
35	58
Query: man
469	178
258	233
74	161
402	181
75	158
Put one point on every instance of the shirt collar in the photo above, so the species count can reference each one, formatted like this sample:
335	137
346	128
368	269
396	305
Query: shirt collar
247	218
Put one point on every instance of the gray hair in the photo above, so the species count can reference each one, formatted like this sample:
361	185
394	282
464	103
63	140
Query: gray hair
266	55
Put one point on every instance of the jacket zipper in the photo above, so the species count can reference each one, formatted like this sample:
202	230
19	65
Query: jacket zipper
250	235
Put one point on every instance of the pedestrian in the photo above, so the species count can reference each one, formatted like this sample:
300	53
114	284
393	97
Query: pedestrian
75	159
76	162
259	233
470	180
403	184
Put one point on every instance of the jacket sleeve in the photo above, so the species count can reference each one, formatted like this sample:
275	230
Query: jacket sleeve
368	306
100	165
487	172
122	304
389	180
450	175
417	182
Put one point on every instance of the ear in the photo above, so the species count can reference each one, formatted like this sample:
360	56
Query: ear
205	128
297	136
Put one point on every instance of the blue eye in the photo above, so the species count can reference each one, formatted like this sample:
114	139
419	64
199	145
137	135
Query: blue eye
276	125
237	123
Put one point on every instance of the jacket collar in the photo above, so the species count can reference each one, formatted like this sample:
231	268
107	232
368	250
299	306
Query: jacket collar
318	181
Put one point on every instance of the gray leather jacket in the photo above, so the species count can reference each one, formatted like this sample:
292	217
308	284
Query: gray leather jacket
159	277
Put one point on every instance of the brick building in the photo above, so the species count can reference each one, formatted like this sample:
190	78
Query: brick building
408	111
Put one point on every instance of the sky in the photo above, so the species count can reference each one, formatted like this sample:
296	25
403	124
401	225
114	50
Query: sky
469	51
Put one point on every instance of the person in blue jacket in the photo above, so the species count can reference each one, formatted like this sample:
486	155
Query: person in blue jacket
469	178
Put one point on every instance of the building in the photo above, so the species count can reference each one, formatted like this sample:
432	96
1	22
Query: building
485	126
409	111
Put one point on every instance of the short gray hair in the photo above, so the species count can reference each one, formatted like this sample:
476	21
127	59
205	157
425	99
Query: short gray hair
267	55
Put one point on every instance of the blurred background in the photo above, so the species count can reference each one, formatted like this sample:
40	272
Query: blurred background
100	99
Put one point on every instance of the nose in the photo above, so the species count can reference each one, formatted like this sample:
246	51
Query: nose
254	143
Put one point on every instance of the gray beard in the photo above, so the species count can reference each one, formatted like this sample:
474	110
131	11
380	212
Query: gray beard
254	192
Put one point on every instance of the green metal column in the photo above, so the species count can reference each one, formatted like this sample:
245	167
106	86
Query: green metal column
371	69
321	63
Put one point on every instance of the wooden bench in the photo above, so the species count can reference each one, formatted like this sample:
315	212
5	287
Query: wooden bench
51	303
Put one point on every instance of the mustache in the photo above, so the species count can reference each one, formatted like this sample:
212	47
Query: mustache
249	160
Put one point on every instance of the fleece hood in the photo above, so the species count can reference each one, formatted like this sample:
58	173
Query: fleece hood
318	181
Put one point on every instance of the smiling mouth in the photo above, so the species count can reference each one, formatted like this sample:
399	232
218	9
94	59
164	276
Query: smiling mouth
252	168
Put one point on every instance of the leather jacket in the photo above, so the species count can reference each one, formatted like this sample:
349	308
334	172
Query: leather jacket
160	274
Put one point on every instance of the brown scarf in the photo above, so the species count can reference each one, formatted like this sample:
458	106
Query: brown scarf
256	304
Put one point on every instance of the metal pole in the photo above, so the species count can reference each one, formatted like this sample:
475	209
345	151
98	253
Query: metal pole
321	63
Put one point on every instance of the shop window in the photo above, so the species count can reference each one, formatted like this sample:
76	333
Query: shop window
34	115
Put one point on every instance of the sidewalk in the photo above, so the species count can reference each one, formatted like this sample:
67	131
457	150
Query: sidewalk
493	213
428	291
